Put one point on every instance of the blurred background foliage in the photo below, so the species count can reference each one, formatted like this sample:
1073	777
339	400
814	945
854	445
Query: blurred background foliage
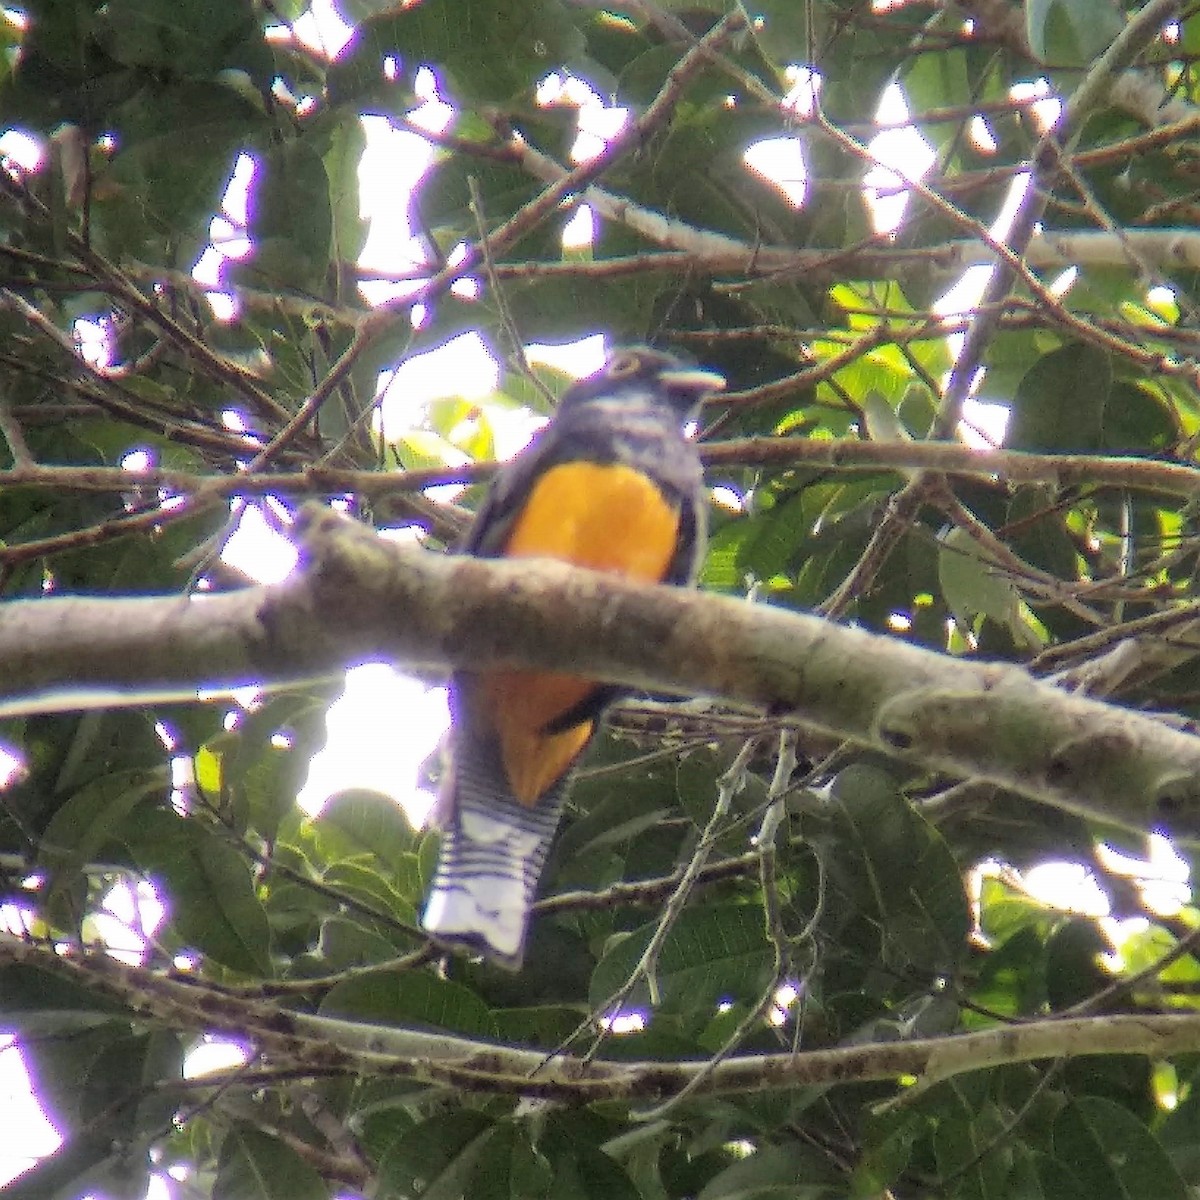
898	903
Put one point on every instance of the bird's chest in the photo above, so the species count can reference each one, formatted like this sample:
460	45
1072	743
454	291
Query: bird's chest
606	516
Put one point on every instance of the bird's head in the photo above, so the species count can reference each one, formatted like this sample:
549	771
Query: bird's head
654	374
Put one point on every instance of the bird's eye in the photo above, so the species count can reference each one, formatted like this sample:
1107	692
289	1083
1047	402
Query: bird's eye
622	366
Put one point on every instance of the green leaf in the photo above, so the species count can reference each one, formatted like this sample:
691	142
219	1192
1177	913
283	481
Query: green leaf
206	770
94	815
347	942
89	1164
581	1172
1057	1182
1137	420
36	1000
883	422
938	81
973	585
58	1065
443	199
1040	534
370	888
185	36
1071	33
460	38
130	1081
217	910
150	186
1011	979
510	1168
209	891
784	34
1113	1154
794	1171
411	999
358	821
887	1151
971	1149
261	778
1061	400
255	1166
342	159
406	878
1074	971
290	219
432	1160
613	816
67	752
538	1025
1179	1132
712	953
427	857
896	867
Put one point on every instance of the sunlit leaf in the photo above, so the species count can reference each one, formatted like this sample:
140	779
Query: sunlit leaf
256	1166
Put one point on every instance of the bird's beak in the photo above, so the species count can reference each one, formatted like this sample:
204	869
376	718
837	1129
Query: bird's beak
693	379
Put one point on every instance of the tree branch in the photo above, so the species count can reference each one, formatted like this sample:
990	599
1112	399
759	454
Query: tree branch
843	454
322	1046
992	722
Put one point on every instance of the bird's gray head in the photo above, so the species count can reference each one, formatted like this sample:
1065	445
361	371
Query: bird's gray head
653	374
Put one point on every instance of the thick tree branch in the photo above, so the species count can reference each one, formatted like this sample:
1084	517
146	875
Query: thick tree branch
321	1046
987	721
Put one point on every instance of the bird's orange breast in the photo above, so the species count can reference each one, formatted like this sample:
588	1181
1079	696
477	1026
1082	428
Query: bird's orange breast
607	517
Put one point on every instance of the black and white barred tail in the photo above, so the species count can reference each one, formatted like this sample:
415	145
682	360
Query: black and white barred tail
492	854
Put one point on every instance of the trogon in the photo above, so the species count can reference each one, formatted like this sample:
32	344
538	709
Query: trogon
611	483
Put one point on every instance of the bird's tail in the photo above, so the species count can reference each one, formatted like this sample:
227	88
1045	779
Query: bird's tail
492	854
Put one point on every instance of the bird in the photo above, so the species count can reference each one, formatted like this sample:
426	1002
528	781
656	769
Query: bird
612	483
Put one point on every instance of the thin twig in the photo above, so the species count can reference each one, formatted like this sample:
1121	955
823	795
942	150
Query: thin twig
1003	557
1146	25
1121	987
728	786
515	354
785	766
13	434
